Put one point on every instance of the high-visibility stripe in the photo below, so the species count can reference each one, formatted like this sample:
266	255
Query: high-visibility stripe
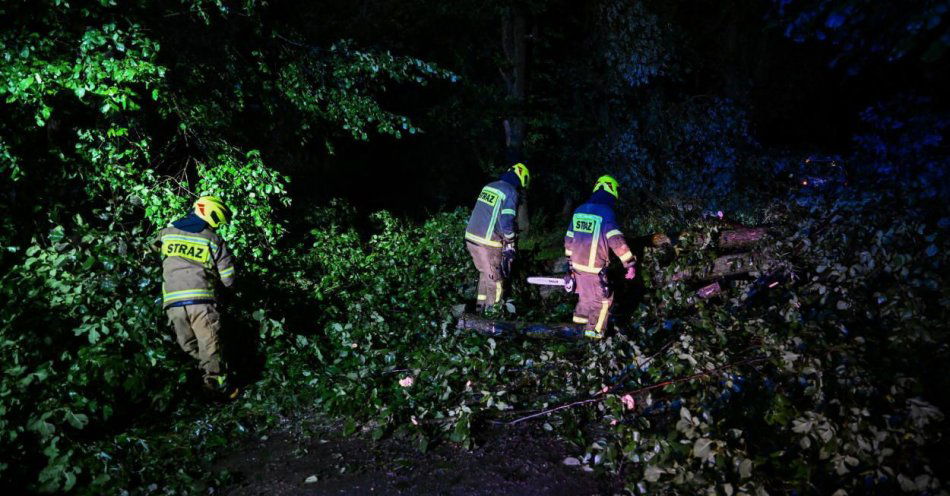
593	335
568	252
497	291
602	318
495	209
228	272
482	241
189	294
626	257
615	232
482	297
509	211
587	268
580	320
593	246
570	234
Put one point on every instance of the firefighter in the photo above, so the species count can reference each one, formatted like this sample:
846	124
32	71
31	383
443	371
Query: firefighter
593	233
491	231
193	256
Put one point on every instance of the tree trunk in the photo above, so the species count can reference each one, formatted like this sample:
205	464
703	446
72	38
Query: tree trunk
741	237
514	46
489	327
726	265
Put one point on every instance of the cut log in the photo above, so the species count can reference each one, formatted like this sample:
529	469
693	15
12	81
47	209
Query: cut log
709	291
725	266
482	325
730	265
659	240
740	238
559	331
490	327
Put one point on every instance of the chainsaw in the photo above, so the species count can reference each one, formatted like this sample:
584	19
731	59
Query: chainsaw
566	282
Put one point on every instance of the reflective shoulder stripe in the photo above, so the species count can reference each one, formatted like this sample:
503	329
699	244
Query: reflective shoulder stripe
496	190
482	241
626	257
615	232
570	234
509	211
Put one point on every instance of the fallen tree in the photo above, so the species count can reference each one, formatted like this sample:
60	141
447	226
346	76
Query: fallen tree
492	327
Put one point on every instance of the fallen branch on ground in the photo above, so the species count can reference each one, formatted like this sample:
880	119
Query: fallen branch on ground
600	396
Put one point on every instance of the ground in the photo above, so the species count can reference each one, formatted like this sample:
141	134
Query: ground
509	461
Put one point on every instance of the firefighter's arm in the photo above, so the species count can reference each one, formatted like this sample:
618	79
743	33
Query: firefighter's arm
569	242
618	244
507	218
225	265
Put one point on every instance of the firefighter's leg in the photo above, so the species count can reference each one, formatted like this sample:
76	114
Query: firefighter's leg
183	332
593	308
584	300
498	283
598	320
206	323
488	263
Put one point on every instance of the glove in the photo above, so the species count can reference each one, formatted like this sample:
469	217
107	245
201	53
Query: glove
631	272
570	284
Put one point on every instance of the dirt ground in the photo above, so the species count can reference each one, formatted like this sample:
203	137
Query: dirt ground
508	461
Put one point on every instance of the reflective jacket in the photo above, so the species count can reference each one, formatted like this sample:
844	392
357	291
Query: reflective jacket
592	233
493	218
191	262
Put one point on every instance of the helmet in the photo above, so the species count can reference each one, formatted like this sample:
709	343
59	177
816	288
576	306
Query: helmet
521	170
608	184
212	210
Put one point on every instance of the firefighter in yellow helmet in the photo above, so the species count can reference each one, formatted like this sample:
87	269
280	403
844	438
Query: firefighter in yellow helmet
193	255
491	231
590	238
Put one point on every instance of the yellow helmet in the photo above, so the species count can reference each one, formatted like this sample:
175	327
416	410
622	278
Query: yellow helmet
521	170
608	184
212	210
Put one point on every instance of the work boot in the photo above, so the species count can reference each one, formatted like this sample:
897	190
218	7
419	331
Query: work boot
219	387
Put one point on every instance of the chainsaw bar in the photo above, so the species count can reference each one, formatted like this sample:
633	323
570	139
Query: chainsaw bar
547	281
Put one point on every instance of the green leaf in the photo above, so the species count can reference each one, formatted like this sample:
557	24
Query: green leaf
77	420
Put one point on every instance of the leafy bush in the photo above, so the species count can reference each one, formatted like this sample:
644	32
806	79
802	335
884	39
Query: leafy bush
902	143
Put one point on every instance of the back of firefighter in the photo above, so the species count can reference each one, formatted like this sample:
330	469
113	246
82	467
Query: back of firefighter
491	231
593	233
193	256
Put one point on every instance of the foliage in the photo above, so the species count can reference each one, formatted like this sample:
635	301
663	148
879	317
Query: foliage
901	144
114	117
865	30
323	88
636	45
97	151
700	149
